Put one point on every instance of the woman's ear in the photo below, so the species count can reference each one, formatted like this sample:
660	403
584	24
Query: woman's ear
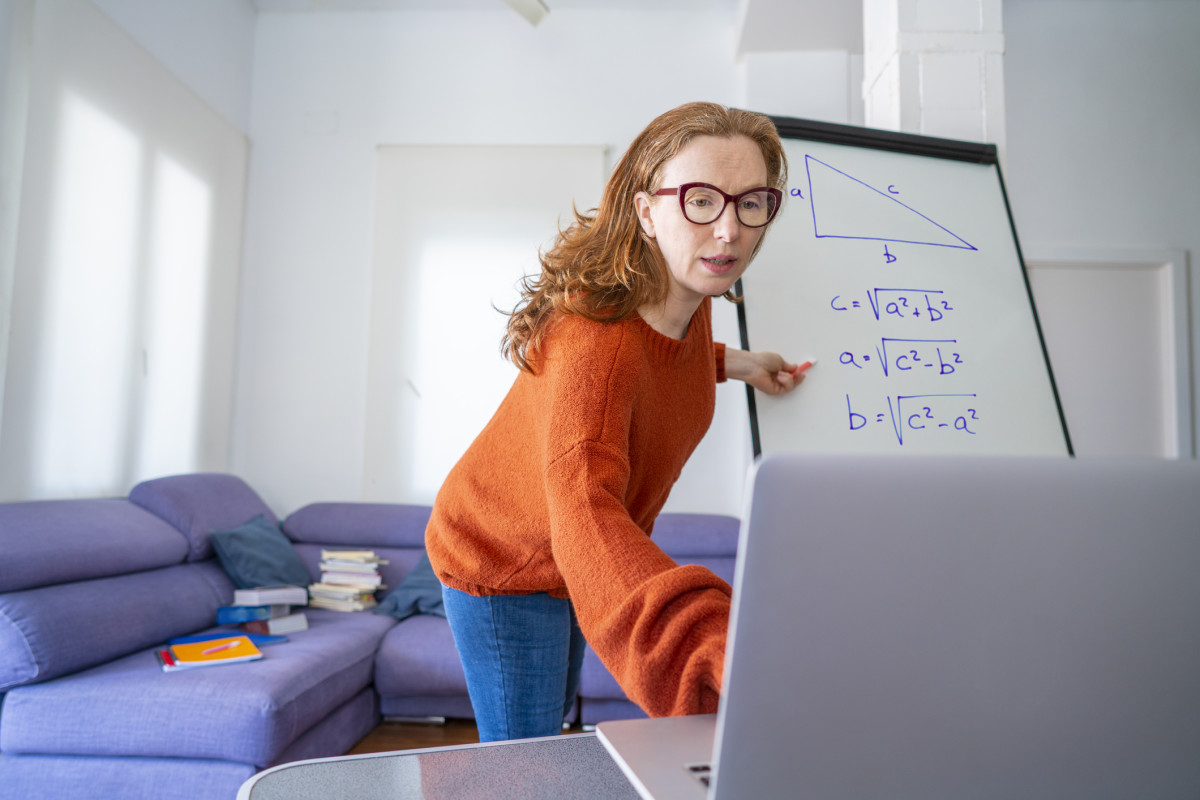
642	206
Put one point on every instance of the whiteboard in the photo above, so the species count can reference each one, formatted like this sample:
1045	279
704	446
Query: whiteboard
894	264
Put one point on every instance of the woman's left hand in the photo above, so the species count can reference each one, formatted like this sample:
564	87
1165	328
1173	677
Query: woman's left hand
767	372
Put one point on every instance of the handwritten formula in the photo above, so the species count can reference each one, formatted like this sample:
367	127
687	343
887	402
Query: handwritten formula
926	305
909	415
906	355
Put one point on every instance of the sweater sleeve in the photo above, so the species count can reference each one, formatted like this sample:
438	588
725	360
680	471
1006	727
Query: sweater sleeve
659	627
719	352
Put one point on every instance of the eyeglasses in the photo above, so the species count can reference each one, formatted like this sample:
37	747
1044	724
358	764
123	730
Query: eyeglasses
703	203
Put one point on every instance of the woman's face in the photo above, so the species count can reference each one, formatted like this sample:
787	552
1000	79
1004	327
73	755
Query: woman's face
704	260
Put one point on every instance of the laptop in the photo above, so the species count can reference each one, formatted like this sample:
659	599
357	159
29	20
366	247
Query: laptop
949	627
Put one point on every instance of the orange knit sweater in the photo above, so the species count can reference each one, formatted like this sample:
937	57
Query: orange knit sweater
560	491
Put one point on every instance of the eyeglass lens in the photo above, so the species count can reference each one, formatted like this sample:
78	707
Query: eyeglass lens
702	205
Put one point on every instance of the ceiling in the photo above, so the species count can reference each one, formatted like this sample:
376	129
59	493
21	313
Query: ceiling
763	25
487	5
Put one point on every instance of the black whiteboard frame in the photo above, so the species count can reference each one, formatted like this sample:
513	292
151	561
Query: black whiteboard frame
911	144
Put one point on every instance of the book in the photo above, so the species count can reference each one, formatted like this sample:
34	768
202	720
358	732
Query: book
278	625
361	556
336	604
340	597
363	567
259	640
372	582
209	653
337	590
232	615
271	595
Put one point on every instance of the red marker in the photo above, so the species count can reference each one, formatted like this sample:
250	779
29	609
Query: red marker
800	370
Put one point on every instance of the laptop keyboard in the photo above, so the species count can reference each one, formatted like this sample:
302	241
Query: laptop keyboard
702	772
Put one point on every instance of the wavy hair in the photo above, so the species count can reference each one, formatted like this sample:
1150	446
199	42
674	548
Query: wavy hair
603	266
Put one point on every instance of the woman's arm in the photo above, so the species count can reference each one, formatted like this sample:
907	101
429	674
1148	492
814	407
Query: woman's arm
767	372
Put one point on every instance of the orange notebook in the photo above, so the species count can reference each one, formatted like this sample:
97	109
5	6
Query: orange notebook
212	652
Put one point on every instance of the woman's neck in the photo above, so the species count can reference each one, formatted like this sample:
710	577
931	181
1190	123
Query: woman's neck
670	317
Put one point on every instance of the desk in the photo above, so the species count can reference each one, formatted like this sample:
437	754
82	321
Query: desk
554	767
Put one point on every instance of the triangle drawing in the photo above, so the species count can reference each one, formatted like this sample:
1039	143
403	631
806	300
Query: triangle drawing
845	207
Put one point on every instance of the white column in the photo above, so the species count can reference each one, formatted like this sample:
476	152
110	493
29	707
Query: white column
935	67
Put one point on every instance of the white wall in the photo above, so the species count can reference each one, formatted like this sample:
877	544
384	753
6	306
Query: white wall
328	89
1103	103
208	44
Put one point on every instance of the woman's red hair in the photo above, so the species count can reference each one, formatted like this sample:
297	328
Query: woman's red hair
604	267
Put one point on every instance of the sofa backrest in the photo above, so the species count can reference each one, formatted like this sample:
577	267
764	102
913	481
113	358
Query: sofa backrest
200	503
396	532
58	541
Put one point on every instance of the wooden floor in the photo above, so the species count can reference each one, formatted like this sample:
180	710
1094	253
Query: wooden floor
388	736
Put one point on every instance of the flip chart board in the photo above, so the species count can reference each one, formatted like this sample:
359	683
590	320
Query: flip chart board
894	264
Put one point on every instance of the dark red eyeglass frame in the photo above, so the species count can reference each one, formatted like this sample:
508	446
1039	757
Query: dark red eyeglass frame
681	191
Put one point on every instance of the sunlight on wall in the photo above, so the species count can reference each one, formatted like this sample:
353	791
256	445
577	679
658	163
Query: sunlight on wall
119	378
176	305
457	226
457	374
83	390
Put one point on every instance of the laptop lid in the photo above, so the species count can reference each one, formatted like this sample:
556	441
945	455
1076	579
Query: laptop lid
940	627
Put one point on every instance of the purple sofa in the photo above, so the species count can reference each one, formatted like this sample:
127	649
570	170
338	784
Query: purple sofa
90	588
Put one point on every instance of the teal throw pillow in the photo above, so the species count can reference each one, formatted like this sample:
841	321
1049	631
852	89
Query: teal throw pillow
256	553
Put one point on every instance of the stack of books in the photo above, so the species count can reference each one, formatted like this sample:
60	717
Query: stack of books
266	610
349	580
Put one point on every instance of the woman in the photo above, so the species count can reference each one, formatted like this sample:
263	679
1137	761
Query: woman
540	534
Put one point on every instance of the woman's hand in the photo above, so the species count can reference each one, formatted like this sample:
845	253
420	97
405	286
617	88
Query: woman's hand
767	372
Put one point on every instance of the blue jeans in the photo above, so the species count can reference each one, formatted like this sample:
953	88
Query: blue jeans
521	654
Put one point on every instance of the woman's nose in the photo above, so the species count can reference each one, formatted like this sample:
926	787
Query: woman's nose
727	226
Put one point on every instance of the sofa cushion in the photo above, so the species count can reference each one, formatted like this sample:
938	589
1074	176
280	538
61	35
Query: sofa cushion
35	777
199	503
56	541
418	658
337	733
256	553
248	712
56	630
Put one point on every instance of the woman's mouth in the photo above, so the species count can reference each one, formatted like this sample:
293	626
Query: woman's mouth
719	264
